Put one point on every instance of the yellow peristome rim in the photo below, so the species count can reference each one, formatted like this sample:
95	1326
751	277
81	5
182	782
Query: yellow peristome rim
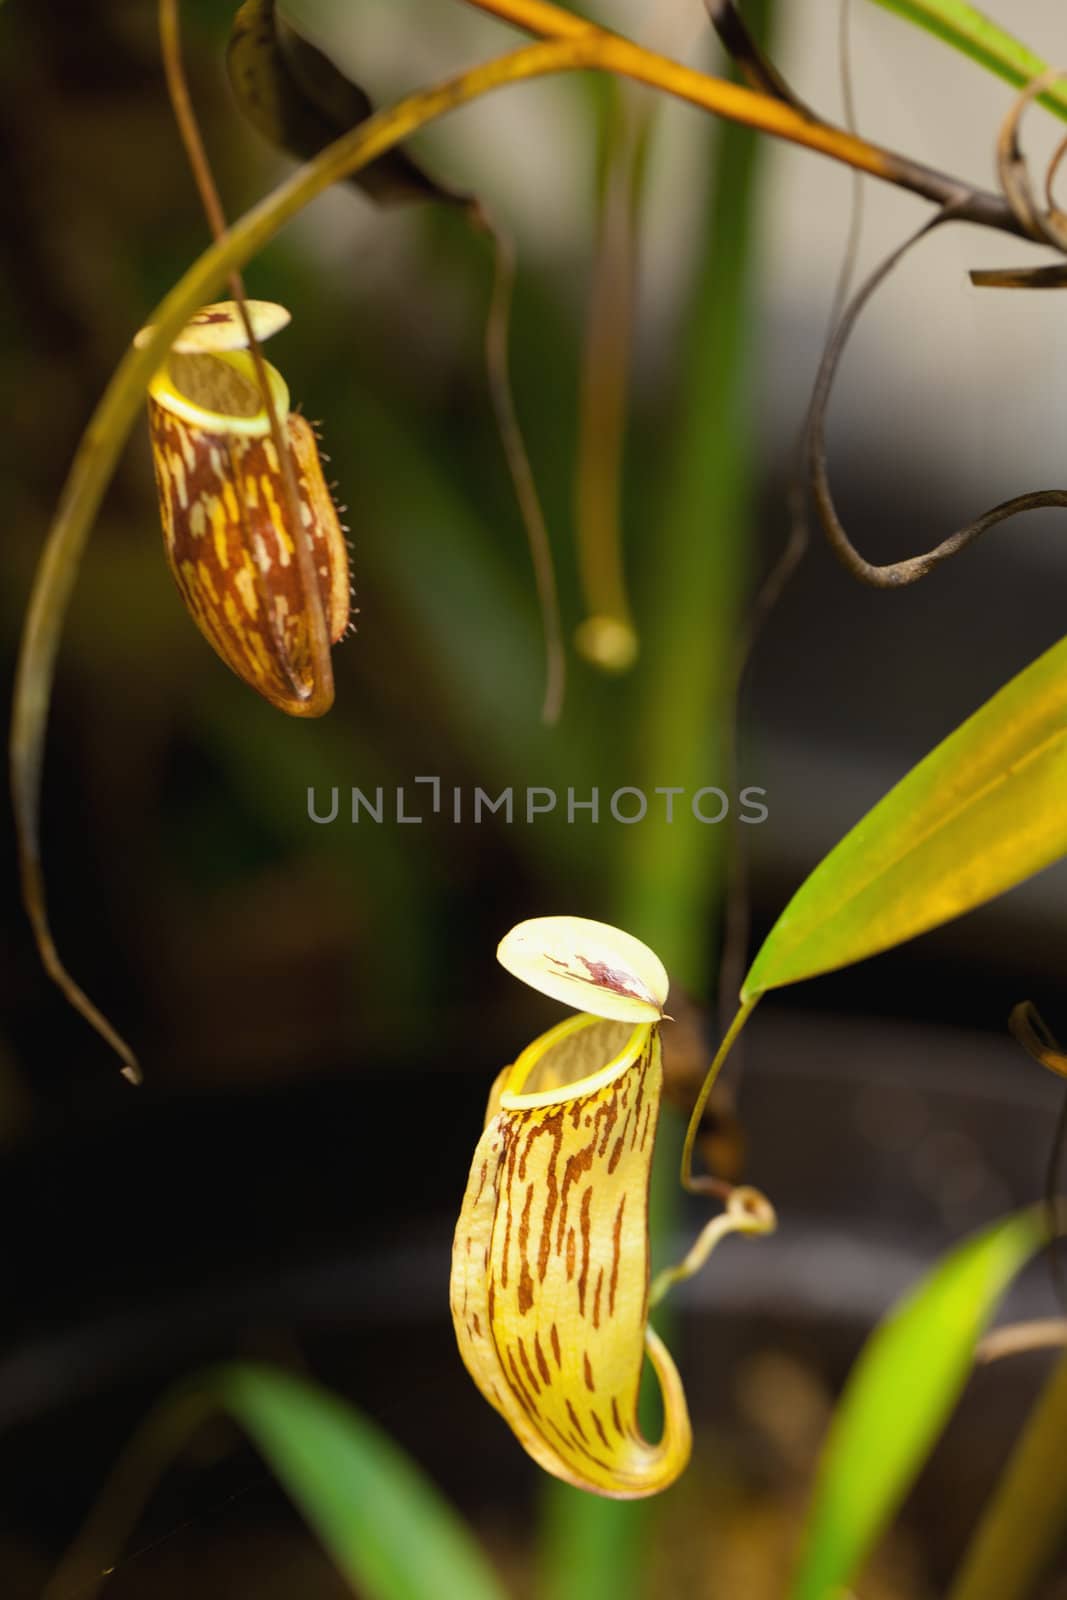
164	391
512	1097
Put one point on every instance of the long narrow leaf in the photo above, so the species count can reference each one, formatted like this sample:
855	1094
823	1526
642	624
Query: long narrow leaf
983	811
977	36
384	1524
897	1399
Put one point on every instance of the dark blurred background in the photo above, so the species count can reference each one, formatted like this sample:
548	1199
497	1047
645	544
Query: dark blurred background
317	1007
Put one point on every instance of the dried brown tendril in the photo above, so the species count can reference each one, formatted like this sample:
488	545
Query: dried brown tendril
894	574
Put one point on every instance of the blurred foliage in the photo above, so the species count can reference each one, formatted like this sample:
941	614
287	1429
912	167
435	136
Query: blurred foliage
385	1526
241	943
907	1379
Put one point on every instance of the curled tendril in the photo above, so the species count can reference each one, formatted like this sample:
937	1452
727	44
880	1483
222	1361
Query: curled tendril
1049	226
894	574
1052	172
737	900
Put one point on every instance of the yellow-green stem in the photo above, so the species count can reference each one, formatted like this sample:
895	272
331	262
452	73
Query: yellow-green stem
729	1038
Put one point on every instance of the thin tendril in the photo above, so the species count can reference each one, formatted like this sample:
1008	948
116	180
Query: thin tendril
1052	173
895	574
737	909
746	54
851	122
607	636
1013	171
498	369
747	1211
83	1570
710	1184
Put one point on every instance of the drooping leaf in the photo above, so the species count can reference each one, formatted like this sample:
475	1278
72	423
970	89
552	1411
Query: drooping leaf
298	100
897	1399
385	1526
985	810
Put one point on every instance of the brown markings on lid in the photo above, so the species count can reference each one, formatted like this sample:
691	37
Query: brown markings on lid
600	976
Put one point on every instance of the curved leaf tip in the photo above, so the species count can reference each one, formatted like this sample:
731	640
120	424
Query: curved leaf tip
981	813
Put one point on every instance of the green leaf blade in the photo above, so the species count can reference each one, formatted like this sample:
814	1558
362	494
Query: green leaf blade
979	37
383	1523
898	1397
985	810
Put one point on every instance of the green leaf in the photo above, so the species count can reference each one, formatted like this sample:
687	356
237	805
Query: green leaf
966	29
897	1399
384	1524
985	810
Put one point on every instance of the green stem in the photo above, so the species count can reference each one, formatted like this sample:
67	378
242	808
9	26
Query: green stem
696	572
730	1037
967	30
1026	1520
670	874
